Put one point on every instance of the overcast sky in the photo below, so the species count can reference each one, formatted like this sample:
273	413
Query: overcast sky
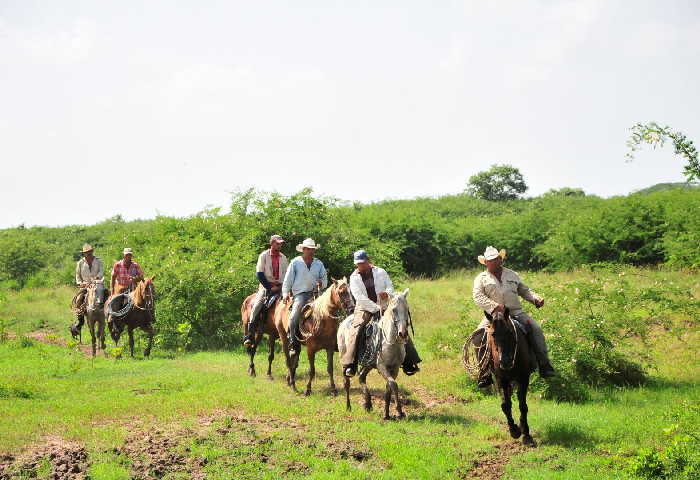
142	108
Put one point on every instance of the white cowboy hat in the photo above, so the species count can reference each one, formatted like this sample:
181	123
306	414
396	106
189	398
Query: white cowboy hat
308	243
127	250
490	253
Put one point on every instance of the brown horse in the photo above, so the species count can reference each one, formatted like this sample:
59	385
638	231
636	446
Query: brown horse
511	362
318	330
268	328
141	315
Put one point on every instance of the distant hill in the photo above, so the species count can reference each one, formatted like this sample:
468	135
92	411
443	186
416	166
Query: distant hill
660	187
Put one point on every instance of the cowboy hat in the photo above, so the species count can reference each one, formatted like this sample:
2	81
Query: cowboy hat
490	253
87	248
308	243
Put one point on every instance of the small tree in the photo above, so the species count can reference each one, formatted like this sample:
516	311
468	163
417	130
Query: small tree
499	183
564	192
655	135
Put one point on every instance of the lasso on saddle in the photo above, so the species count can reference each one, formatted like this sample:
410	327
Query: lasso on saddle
122	300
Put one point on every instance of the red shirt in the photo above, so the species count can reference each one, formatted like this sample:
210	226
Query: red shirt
275	257
123	274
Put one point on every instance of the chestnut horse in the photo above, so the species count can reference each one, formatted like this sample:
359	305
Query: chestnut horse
268	328
317	330
141	315
511	362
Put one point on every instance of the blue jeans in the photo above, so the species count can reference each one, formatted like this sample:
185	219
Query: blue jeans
300	299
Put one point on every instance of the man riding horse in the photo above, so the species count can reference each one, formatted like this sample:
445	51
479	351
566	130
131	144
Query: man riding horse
270	271
125	272
87	270
304	275
496	290
371	286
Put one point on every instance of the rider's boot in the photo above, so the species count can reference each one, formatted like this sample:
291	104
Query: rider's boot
546	370
77	327
249	339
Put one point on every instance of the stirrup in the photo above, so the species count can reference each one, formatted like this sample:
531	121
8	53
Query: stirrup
349	372
412	370
248	342
485	382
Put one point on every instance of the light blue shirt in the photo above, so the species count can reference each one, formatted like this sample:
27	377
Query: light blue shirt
300	278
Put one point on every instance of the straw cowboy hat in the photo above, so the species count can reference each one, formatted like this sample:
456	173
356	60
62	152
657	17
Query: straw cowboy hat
308	243
87	248
490	254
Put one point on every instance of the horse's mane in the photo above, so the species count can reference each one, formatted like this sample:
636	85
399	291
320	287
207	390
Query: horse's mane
322	306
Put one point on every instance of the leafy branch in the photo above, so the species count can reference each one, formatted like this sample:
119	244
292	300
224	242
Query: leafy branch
655	135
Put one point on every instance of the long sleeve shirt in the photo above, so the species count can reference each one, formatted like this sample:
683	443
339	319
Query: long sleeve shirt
488	292
266	266
85	272
302	278
382	284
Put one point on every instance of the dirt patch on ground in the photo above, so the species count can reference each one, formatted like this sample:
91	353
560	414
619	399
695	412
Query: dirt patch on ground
53	339
157	453
348	450
492	466
54	458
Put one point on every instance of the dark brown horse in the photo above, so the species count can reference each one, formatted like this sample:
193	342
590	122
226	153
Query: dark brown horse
141	315
511	363
268	328
318	327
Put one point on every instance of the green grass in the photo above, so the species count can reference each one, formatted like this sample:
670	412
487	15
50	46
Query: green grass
104	403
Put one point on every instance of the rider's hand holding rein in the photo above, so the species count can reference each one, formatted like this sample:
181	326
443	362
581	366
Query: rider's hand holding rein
539	303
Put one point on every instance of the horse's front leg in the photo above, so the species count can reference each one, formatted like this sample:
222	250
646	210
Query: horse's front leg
91	326
150	331
251	354
312	368
522	403
365	390
101	333
507	406
130	331
329	369
270	355
346	384
395	389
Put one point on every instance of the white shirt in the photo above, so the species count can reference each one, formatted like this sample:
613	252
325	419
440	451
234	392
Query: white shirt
382	284
488	292
85	272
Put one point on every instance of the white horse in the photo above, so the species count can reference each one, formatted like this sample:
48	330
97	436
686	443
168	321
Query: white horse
390	338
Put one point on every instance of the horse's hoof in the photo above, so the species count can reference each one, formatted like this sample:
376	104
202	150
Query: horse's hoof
402	415
334	392
529	441
368	407
269	377
251	373
307	392
515	431
387	417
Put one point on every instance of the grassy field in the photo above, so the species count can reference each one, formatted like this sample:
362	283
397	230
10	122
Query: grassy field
198	415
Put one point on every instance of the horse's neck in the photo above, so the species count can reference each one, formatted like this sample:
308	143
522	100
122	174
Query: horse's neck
137	296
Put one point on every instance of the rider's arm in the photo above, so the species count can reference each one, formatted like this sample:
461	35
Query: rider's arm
78	279
263	280
388	285
358	290
288	280
323	276
100	269
260	271
525	292
480	297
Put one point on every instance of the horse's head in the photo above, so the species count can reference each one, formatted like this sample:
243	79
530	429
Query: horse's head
400	315
96	294
505	339
341	289
116	327
144	293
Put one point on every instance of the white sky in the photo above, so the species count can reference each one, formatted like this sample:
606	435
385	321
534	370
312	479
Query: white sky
163	107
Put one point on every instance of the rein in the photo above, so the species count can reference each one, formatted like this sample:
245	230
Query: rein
515	335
